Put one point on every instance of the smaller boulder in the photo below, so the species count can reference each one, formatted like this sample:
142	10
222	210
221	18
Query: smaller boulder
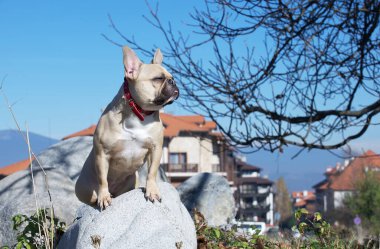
133	222
17	197
211	195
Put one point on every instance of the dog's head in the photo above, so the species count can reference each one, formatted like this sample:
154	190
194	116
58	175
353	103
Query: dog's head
151	86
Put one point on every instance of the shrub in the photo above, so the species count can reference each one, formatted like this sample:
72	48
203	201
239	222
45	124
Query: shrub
39	230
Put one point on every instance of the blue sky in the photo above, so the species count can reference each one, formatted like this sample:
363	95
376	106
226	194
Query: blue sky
60	72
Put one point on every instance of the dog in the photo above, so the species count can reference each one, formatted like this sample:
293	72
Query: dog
129	134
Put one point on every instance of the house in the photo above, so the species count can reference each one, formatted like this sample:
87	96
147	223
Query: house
340	180
192	145
255	194
304	199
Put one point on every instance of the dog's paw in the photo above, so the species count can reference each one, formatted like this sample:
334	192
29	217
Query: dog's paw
152	192
104	199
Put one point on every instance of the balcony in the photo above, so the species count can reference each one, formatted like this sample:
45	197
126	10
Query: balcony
255	209
180	167
253	193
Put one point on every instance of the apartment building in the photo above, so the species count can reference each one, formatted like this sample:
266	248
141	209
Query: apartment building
255	194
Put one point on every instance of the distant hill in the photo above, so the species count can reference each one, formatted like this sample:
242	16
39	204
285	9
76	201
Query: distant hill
14	149
300	173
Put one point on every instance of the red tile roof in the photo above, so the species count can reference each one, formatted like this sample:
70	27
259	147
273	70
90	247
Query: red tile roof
300	203
12	168
345	178
301	195
86	132
175	124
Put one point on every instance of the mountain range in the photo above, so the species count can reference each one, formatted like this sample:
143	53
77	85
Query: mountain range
13	147
300	173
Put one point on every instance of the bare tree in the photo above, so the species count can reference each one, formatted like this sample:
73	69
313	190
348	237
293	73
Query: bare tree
277	73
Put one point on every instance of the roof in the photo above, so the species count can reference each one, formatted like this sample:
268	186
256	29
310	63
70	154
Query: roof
173	126
12	168
300	203
247	167
303	195
257	180
86	132
345	178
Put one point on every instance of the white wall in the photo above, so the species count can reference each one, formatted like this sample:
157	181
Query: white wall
270	214
339	197
189	145
199	151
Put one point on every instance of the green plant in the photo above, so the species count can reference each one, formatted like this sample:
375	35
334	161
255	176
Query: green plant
312	225
316	232
215	237
39	230
365	202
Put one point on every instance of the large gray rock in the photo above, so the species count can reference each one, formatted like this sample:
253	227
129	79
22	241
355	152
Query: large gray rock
68	155
17	197
132	222
62	163
211	195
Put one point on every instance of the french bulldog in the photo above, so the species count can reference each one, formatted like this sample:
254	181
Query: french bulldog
129	134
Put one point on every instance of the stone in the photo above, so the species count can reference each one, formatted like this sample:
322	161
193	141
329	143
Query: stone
17	197
133	222
68	155
210	194
62	163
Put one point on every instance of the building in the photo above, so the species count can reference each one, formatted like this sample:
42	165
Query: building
192	145
254	195
304	199
340	180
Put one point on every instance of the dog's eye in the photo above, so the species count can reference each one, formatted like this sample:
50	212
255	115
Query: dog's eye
159	79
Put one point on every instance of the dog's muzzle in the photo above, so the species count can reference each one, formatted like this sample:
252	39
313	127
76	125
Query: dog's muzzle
169	93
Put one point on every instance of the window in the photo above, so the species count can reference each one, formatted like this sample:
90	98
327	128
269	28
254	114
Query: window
177	158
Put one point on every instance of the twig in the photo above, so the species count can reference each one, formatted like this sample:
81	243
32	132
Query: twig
32	175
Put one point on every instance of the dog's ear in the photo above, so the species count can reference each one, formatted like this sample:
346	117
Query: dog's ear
158	57
132	63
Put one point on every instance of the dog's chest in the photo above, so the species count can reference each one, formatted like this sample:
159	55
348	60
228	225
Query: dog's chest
129	152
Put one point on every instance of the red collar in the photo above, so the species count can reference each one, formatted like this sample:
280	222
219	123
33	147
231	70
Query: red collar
136	109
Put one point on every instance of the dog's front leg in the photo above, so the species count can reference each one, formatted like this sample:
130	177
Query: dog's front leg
152	191
101	167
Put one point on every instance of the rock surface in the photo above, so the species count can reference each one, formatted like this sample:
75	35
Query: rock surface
68	155
62	163
211	195
133	222
17	197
